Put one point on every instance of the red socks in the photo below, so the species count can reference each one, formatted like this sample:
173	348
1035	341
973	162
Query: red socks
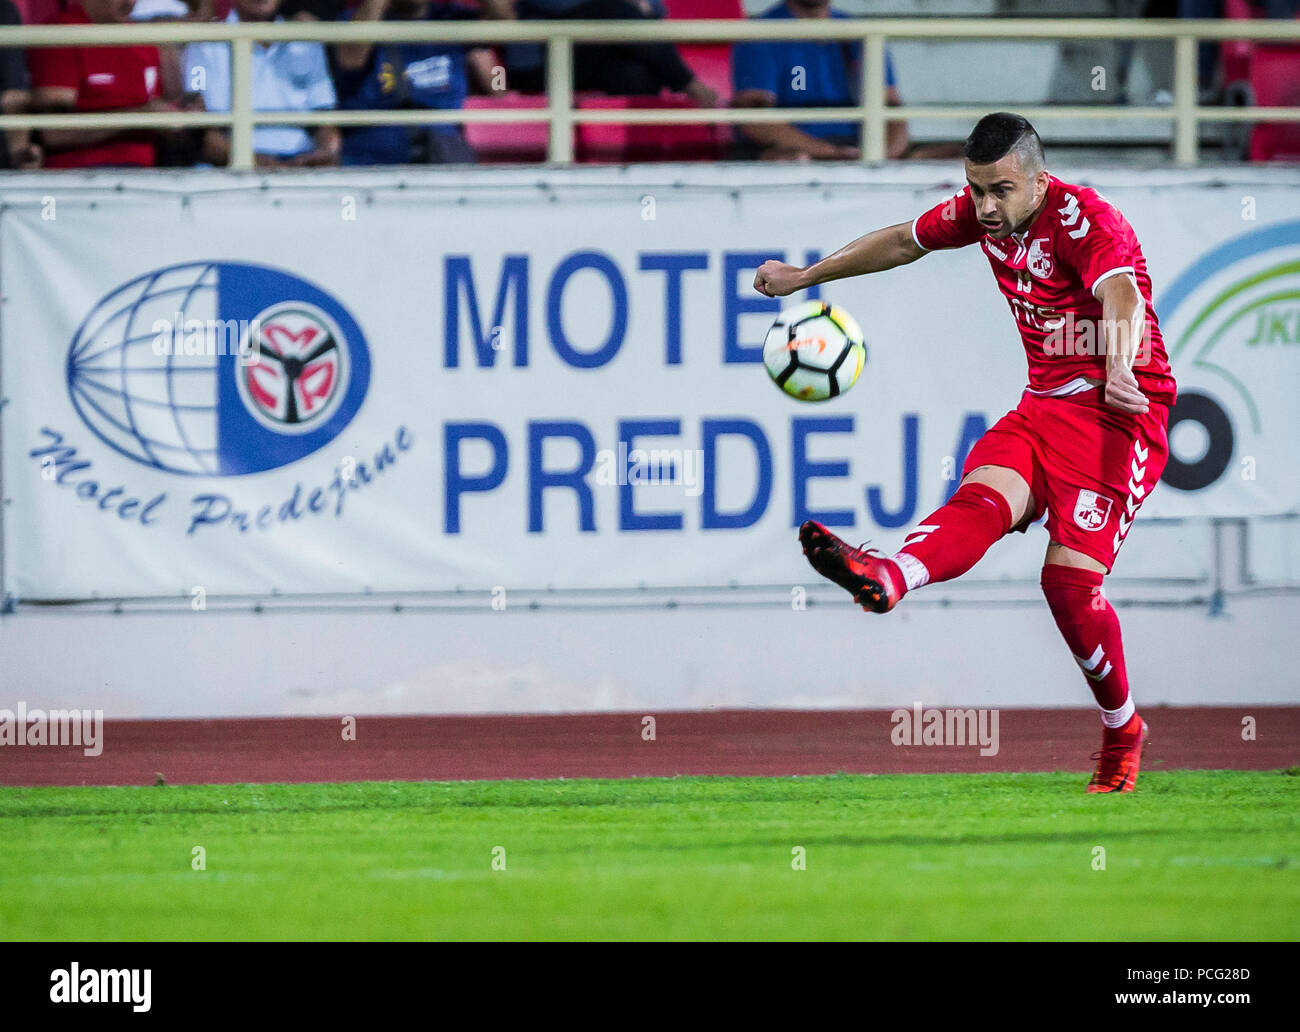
1090	627
955	537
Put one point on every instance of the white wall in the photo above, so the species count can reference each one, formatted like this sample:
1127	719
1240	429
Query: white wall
521	661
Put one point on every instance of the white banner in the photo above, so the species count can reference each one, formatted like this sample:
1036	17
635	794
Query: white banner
478	391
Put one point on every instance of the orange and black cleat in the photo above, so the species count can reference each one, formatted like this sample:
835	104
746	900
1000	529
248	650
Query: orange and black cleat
1120	757
871	577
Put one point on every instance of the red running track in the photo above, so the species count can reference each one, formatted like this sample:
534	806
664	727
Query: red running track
732	742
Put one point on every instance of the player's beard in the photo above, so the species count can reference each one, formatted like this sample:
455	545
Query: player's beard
1034	211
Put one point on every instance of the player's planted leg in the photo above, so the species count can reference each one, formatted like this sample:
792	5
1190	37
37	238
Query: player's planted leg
1088	623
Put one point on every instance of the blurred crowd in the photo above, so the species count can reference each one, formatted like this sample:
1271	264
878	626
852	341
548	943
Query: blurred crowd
302	76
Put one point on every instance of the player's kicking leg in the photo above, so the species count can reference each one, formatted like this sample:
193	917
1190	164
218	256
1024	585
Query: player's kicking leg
1087	621
947	543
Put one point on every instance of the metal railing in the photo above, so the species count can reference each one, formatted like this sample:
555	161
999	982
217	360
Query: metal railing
559	38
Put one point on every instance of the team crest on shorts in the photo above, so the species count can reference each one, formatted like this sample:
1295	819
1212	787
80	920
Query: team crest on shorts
1040	262
1091	510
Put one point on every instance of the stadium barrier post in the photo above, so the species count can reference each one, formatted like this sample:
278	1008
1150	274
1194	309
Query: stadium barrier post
1185	111
559	90
241	104
873	98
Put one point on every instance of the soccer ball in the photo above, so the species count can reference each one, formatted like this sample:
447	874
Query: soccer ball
814	351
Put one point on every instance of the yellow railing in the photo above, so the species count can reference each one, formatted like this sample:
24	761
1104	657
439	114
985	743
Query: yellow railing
560	37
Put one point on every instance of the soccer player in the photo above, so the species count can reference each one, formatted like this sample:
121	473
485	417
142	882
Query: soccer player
1087	442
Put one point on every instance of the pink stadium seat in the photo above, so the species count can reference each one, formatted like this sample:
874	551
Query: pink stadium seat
1272	70
1275	79
1235	53
711	62
625	143
704	8
501	142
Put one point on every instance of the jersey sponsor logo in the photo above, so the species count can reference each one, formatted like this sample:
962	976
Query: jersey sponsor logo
1091	510
1037	317
101	79
1040	261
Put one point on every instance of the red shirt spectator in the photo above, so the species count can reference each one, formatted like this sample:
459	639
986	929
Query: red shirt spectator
90	78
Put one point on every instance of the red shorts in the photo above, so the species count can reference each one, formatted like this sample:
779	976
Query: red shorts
1089	466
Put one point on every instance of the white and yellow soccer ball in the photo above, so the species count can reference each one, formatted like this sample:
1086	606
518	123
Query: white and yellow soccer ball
814	351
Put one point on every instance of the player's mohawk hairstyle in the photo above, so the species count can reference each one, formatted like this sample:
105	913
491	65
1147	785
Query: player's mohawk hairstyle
997	135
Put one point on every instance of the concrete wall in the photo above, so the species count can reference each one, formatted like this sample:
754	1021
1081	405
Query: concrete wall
763	654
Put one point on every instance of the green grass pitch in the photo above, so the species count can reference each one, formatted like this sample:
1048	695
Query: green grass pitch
1192	855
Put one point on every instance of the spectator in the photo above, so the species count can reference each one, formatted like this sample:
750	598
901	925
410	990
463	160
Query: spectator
620	69
806	73
160	10
1208	50
313	10
410	75
98	79
182	149
16	147
290	76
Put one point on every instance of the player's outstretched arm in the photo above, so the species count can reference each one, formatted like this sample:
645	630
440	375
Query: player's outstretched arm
883	249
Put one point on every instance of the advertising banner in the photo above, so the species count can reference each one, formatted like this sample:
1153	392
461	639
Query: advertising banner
300	388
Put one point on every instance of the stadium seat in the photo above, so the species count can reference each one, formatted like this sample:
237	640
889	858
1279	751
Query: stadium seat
500	142
711	62
619	144
1275	80
716	9
1270	75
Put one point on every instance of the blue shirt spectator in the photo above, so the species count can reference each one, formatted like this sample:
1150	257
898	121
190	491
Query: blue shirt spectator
405	75
806	73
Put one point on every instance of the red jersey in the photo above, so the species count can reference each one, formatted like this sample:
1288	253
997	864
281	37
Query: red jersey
1048	275
106	79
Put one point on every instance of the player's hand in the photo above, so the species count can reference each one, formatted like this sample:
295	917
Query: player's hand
776	279
28	156
1123	392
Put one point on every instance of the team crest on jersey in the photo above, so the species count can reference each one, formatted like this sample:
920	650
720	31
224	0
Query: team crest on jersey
1040	262
1091	510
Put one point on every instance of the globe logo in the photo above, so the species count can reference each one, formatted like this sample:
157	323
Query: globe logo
217	369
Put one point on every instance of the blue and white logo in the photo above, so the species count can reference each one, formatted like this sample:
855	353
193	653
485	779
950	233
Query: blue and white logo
218	369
